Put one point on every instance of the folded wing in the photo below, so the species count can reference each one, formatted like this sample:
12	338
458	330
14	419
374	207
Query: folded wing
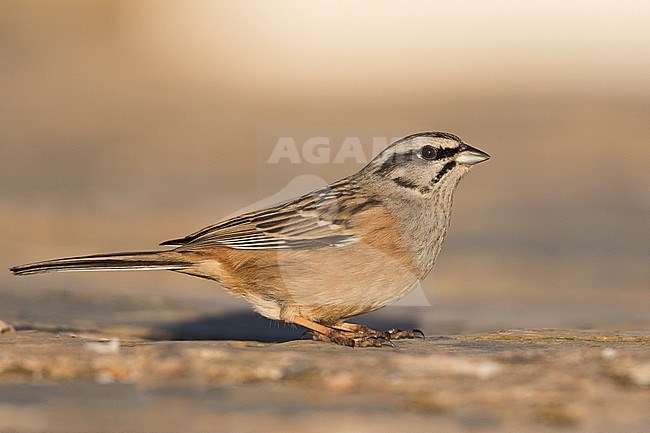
316	220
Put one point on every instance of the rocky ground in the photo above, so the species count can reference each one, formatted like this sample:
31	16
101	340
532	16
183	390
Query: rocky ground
523	380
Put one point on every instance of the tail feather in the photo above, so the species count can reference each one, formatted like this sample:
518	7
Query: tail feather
146	260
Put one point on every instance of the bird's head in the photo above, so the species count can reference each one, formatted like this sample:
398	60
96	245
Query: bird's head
423	163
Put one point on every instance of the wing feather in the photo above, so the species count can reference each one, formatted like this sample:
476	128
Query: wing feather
315	220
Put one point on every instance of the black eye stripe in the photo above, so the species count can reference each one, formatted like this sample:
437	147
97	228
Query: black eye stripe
430	153
447	152
386	168
393	161
396	159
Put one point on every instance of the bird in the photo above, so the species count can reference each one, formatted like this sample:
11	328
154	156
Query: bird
351	247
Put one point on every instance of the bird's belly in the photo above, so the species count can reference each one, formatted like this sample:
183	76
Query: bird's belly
329	285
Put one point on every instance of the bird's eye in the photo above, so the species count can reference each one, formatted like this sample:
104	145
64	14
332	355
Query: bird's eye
429	153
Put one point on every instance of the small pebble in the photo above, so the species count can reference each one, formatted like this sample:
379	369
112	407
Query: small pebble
4	327
608	353
111	347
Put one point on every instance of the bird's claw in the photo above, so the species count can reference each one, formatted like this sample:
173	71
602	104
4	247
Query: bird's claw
396	334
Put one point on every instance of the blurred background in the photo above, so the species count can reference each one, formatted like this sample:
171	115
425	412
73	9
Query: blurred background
126	123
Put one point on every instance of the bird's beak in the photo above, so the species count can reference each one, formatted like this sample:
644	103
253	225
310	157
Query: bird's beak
470	155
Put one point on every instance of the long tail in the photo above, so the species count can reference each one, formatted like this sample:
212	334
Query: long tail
145	260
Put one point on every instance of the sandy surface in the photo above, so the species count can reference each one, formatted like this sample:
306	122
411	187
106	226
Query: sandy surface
518	380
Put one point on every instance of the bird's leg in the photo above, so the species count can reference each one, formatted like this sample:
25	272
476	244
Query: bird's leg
338	336
391	334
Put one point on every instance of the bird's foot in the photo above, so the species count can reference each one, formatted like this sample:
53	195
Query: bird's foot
351	339
391	334
353	335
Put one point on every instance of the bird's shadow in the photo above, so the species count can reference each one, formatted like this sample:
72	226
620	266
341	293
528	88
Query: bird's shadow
249	326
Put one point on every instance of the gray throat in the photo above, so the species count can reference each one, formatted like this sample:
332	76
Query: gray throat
426	222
